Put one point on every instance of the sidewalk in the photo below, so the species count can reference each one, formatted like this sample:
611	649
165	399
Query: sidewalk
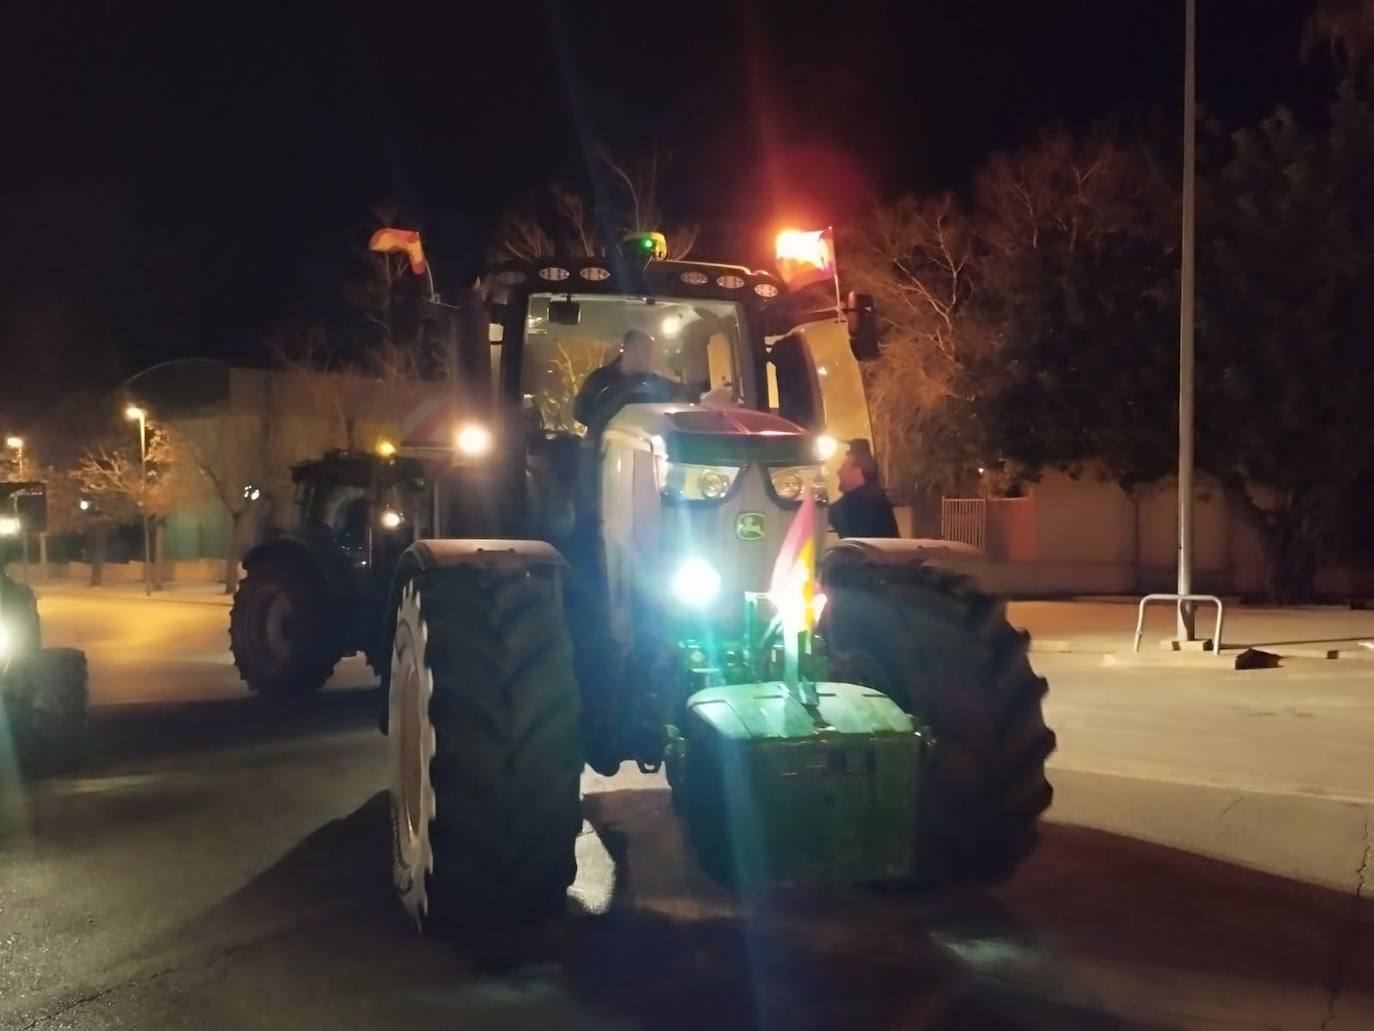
194	593
1107	627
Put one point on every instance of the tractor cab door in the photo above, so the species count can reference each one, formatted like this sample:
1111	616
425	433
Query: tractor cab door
336	502
793	388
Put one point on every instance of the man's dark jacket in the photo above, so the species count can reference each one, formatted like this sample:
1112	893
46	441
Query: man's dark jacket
865	512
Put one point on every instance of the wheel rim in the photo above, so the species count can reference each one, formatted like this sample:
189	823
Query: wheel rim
412	748
412	768
277	628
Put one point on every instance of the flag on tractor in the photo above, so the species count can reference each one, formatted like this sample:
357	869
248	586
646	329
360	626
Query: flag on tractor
806	256
400	241
793	585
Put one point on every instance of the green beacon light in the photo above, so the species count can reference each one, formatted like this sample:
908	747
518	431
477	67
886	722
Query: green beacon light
648	245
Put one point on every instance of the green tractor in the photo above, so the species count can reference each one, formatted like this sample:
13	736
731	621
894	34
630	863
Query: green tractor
316	593
646	593
43	691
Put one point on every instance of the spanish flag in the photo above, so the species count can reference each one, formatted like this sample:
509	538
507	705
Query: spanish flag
406	241
806	256
793	585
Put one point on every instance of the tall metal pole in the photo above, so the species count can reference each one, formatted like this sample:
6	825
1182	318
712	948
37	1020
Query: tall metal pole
143	481
1185	334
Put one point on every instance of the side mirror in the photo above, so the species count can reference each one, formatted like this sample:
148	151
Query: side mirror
565	313
862	316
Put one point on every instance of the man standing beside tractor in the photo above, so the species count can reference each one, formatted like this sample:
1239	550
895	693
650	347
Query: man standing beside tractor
864	509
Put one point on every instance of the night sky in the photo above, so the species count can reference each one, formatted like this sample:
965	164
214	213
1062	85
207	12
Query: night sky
178	179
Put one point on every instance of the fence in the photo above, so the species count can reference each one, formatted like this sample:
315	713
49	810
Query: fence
965	520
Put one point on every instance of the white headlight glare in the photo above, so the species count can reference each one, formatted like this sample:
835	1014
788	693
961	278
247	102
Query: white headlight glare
696	582
473	440
6	641
9	526
696	482
826	446
790	481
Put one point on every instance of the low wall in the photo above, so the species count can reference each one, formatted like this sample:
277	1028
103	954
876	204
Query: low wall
198	570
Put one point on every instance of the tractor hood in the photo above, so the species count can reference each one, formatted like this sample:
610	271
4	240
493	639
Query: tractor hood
702	434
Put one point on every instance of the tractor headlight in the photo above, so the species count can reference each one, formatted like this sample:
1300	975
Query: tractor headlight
696	482
791	481
696	583
473	440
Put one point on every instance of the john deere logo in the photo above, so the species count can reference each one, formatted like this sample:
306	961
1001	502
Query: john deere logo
749	526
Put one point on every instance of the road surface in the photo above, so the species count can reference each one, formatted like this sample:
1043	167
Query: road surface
223	864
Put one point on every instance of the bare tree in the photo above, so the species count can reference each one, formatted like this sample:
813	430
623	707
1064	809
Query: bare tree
326	382
917	259
237	459
1345	27
152	489
1081	192
569	369
372	392
944	273
568	223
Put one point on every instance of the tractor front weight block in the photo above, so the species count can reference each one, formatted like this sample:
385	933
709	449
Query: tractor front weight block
775	792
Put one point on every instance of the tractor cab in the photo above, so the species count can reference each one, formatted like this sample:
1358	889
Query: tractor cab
359	502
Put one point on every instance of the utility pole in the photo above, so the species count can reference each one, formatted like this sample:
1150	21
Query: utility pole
1185	332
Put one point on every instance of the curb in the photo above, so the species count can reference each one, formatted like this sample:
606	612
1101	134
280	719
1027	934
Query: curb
1359	653
1248	658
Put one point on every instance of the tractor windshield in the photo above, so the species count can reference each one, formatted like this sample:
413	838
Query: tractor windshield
694	342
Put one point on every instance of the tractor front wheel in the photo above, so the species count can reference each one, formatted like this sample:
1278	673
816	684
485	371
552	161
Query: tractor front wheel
486	749
944	651
46	706
279	629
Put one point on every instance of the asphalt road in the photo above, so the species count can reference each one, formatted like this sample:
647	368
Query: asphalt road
223	864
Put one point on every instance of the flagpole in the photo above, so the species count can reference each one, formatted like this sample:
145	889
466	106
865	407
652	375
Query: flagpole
835	273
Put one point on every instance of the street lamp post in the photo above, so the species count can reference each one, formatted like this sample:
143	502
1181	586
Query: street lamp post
1185	334
134	413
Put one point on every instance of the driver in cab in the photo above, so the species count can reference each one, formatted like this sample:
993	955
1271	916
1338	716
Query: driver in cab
609	388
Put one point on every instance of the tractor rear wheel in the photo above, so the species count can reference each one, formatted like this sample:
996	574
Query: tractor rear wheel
280	630
486	750
47	710
944	651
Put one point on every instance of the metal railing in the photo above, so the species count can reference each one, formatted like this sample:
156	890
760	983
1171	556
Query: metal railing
1178	599
965	520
